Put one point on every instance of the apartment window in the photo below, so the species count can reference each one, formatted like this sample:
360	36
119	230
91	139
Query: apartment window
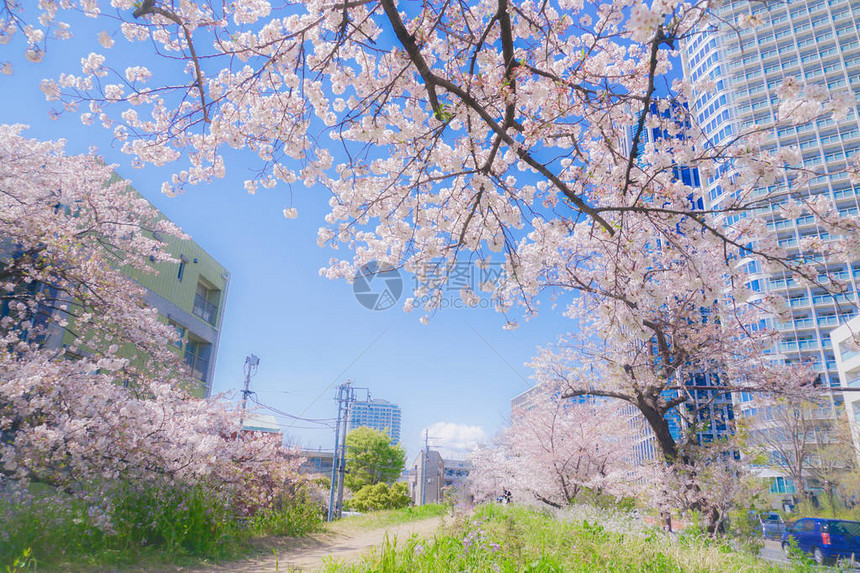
206	302
197	355
181	272
782	485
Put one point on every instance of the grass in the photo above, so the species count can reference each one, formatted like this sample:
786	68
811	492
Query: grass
508	539
145	527
386	518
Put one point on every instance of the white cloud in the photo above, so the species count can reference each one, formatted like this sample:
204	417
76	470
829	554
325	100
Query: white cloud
454	440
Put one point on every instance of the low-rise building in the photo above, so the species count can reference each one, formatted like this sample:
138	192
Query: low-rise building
847	352
431	477
190	295
427	478
316	462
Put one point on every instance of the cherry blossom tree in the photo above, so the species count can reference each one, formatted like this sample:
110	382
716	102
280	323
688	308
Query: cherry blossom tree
706	347
486	131
114	406
803	439
457	129
555	451
452	132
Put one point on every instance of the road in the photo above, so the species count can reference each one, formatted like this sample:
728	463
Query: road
772	551
309	554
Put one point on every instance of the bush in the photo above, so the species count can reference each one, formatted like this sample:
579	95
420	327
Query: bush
380	496
291	516
180	520
43	529
130	523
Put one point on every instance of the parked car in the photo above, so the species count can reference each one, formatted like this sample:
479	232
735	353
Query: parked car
769	524
826	539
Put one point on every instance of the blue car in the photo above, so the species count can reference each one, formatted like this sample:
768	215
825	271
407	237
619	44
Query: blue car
826	539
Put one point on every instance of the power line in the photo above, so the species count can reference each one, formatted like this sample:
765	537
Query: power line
326	421
326	389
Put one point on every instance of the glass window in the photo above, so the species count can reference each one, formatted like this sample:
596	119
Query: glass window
206	303
197	354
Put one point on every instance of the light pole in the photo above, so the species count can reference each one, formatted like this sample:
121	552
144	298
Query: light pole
252	362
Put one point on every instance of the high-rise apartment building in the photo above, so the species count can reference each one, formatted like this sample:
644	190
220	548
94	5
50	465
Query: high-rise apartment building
816	42
377	414
708	412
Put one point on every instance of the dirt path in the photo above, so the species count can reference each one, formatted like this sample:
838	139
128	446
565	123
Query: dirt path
307	554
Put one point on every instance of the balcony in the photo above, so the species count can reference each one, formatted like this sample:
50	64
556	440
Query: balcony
205	309
197	356
803	323
788	346
828	321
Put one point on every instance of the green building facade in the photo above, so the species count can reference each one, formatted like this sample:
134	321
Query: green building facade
190	295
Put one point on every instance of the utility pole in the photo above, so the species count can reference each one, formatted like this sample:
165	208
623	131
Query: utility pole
346	411
338	462
424	467
336	452
345	397
252	362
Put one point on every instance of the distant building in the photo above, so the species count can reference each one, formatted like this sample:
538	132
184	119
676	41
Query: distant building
537	395
526	401
427	478
709	410
431	476
455	473
316	462
377	414
255	422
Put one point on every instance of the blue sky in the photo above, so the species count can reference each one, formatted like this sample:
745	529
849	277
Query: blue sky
309	332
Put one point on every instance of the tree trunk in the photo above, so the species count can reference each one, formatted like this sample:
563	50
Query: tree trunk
656	419
660	426
549	502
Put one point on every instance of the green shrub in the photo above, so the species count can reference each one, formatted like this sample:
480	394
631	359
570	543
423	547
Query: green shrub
179	520
140	522
380	496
